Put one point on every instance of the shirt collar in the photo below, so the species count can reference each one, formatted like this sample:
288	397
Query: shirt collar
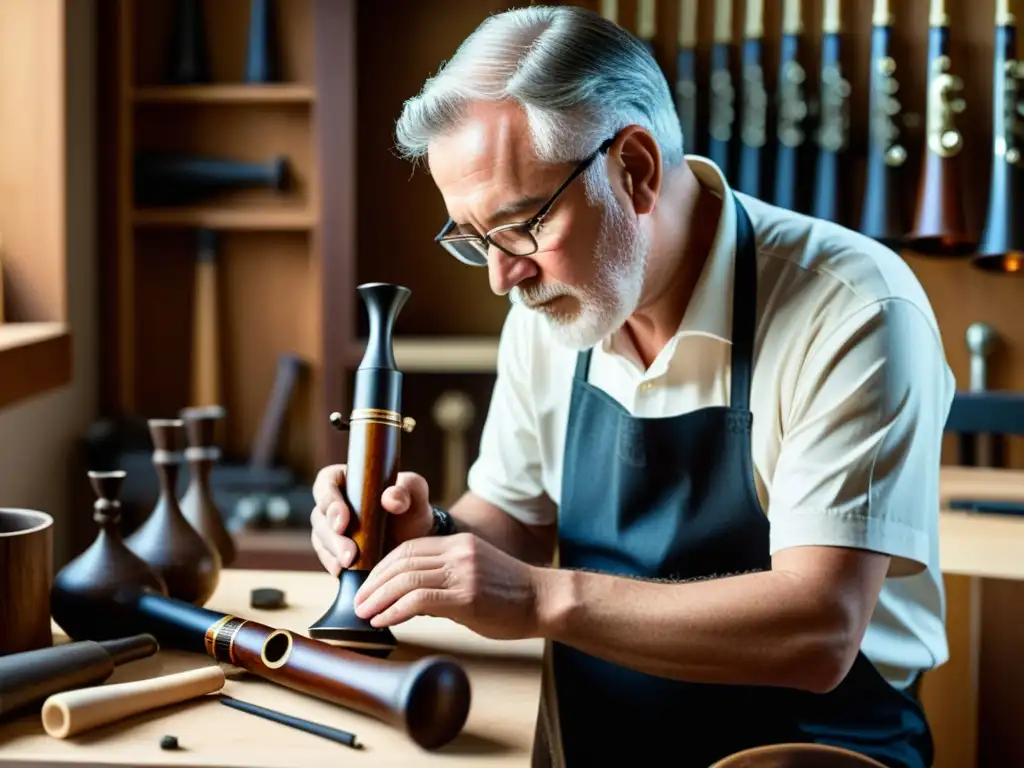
709	312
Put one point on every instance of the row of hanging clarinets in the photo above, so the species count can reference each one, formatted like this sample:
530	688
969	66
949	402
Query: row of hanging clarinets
811	140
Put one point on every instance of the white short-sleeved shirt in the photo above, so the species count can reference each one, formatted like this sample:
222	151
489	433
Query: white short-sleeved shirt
850	393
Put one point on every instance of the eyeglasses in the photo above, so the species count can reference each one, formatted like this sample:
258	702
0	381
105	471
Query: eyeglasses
517	239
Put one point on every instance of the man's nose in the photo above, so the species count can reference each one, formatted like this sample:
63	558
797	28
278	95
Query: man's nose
506	272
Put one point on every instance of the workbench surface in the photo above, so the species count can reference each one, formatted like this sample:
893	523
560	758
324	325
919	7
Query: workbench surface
505	680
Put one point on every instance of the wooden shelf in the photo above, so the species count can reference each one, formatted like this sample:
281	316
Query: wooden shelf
226	218
441	354
271	271
228	94
35	358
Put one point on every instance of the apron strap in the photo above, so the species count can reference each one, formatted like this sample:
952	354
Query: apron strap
583	364
744	306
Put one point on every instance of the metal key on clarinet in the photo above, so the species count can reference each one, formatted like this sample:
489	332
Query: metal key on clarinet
940	227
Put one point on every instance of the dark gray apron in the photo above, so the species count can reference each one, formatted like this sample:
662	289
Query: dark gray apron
674	498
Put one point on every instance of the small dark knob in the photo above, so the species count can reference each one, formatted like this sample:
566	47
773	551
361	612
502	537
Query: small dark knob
107	485
201	424
166	434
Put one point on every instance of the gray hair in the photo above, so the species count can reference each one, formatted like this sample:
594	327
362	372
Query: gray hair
580	78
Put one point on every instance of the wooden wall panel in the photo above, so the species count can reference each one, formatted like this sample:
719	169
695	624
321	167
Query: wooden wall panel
399	209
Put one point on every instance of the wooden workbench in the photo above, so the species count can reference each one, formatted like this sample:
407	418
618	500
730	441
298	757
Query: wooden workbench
505	679
973	547
505	675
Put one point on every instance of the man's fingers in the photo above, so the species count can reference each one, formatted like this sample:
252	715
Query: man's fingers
396	500
337	517
329	562
412	549
380	576
327	485
415	485
341	548
399	585
420	602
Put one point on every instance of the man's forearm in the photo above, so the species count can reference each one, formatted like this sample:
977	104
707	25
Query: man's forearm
472	514
770	628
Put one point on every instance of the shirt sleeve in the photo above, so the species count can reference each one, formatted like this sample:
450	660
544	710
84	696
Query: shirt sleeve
507	471
861	448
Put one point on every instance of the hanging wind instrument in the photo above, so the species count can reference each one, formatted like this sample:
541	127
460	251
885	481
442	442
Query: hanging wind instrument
939	228
723	94
686	74
882	212
1002	242
791	159
834	119
647	23
610	10
754	117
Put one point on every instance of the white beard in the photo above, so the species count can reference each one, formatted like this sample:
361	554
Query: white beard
621	262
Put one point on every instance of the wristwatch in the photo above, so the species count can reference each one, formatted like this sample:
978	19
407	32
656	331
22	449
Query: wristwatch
444	525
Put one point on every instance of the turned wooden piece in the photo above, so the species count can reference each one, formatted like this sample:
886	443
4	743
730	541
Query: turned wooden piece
73	712
797	756
167	542
453	413
106	569
197	505
26	679
26	573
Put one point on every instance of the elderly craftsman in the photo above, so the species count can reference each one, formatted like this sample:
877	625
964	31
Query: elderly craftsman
725	415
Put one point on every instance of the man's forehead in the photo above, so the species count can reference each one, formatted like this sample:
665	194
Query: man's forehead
492	137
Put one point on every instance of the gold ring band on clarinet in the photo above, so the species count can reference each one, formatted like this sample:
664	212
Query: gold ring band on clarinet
381	416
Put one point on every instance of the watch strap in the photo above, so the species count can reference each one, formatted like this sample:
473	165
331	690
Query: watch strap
444	525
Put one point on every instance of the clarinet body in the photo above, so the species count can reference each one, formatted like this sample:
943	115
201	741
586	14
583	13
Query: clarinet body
427	698
882	213
791	157
374	431
939	224
1002	242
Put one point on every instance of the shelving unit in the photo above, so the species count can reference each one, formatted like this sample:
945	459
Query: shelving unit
288	264
270	247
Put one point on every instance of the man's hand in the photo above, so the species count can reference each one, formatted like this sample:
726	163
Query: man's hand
408	500
460	577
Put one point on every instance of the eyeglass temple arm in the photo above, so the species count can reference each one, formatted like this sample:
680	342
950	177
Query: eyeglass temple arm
579	169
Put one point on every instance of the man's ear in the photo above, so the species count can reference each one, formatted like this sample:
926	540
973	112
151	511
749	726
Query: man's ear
639	162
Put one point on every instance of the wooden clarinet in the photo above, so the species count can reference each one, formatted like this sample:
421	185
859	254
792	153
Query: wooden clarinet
882	212
374	430
1002	241
833	132
791	161
722	112
686	74
427	698
939	227
754	115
